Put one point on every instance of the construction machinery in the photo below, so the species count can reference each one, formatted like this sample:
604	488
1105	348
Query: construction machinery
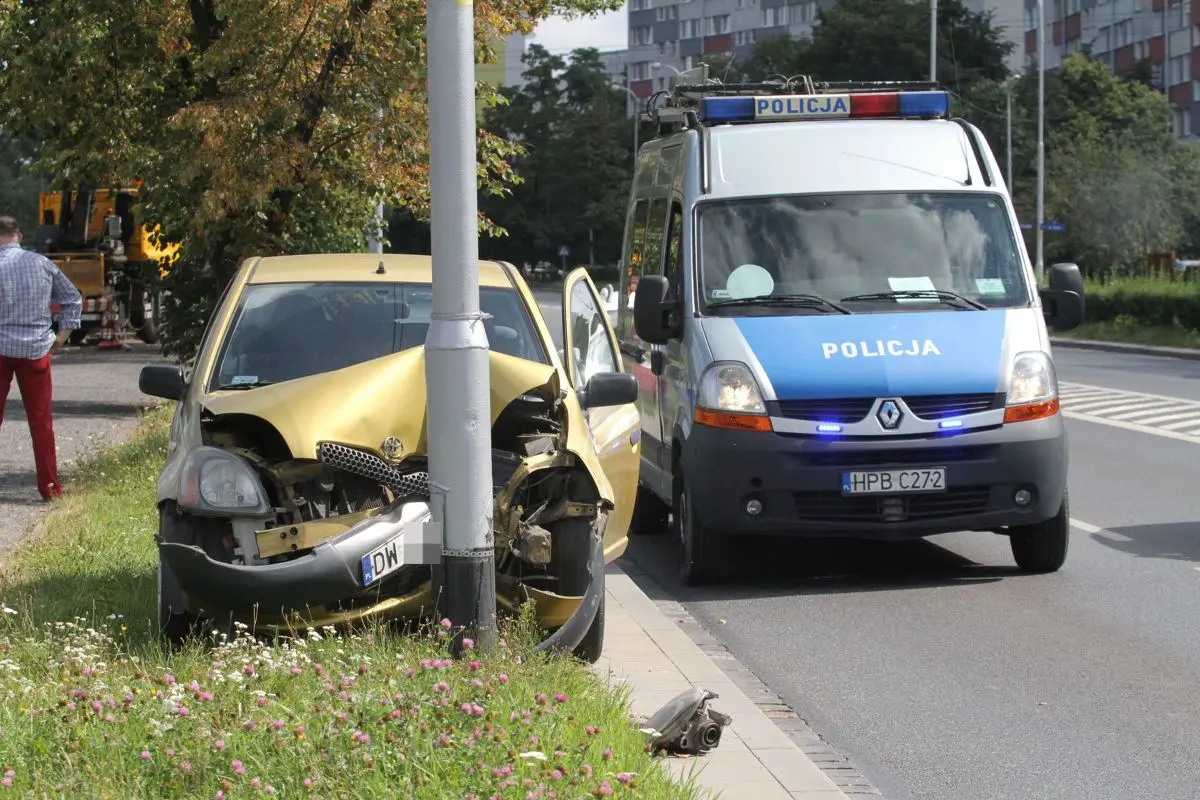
96	238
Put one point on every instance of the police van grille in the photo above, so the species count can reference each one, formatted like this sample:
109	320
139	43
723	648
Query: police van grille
372	467
845	411
849	410
835	507
940	406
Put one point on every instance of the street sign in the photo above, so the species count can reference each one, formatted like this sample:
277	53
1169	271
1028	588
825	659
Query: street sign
1055	226
563	251
1026	226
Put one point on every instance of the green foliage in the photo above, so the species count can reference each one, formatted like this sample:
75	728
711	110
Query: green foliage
260	127
19	183
1142	302
575	170
882	40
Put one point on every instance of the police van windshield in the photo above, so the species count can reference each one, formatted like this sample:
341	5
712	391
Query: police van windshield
954	251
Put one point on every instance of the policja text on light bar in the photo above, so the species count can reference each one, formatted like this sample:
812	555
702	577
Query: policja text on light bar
775	108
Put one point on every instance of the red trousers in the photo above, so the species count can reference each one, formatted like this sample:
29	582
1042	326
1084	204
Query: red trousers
33	378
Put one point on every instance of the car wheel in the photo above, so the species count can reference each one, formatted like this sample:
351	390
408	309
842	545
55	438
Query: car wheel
570	556
701	549
1042	547
650	515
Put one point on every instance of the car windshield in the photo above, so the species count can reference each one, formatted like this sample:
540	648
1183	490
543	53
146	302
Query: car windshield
948	250
286	331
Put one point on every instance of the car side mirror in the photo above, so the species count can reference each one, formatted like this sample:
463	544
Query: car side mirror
652	314
1063	303
162	380
609	389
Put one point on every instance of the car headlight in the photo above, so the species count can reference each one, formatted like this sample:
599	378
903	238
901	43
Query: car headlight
1032	380
214	481
729	386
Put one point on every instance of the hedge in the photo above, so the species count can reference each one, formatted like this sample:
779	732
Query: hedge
1146	302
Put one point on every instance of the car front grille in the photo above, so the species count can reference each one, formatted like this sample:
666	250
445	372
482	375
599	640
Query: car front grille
849	410
372	467
834	507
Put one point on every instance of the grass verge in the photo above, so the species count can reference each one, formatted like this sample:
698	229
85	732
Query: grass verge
92	707
1134	334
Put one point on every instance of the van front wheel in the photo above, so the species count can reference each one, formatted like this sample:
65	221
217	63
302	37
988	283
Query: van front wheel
1042	547
701	549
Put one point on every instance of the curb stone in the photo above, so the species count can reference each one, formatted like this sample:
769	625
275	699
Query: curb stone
764	754
844	774
1185	353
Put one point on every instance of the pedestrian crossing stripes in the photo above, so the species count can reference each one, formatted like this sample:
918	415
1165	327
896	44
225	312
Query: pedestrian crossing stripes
1171	416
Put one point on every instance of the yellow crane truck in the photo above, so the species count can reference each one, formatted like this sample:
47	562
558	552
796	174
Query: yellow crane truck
98	241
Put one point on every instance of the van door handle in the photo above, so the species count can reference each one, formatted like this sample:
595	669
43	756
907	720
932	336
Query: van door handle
634	351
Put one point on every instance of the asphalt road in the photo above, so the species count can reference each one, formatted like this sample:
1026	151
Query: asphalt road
944	674
96	401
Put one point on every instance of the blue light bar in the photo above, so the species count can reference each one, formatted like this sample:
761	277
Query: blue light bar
775	108
829	427
950	423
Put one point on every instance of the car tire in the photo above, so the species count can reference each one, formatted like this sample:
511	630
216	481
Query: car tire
1042	546
651	516
570	556
701	549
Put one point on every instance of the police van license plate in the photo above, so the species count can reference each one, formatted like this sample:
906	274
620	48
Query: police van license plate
383	560
894	481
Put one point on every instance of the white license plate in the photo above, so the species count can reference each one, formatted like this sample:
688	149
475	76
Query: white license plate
383	560
894	481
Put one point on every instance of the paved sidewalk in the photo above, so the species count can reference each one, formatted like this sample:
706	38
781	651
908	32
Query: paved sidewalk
1186	353
657	660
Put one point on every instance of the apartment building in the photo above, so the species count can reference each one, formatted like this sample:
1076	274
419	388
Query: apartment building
667	36
1124	33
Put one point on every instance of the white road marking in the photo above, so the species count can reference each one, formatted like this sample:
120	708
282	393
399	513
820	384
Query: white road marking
1159	415
1087	527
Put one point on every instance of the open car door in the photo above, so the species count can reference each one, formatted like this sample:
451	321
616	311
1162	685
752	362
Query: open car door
589	349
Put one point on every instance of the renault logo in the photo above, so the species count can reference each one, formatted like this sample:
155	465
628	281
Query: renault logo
889	415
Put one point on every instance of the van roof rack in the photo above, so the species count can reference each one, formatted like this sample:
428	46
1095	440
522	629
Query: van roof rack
694	99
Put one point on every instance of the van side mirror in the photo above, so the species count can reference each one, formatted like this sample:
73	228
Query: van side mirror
1063	304
652	314
162	380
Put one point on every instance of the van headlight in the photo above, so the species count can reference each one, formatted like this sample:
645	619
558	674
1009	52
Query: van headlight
728	397
1032	379
214	482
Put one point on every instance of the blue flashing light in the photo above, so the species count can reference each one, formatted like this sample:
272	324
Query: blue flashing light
727	109
829	427
947	424
924	104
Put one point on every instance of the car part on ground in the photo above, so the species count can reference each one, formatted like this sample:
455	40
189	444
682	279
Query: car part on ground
686	725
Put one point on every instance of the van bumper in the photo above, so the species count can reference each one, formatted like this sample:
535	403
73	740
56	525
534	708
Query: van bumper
798	481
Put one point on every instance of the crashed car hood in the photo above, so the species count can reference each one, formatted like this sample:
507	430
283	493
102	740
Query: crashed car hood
367	403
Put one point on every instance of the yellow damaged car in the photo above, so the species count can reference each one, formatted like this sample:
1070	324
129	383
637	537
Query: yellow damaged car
295	491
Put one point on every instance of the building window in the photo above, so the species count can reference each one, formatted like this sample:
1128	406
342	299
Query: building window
742	38
640	36
639	5
715	26
639	71
689	29
665	13
1177	69
774	17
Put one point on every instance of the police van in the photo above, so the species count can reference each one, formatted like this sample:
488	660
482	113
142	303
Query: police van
835	325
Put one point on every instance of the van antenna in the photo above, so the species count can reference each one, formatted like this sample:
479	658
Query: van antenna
380	270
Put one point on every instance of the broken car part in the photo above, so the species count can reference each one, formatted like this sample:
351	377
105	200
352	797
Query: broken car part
686	725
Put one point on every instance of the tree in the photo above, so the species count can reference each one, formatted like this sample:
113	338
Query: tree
258	126
575	169
19	183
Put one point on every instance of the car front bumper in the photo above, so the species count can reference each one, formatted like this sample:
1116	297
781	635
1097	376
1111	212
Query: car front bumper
798	481
330	573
